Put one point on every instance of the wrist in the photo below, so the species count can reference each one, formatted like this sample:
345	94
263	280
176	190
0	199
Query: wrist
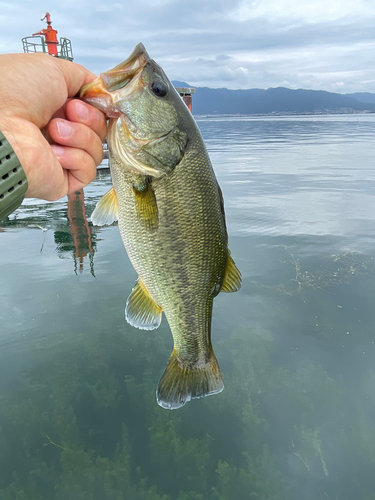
13	182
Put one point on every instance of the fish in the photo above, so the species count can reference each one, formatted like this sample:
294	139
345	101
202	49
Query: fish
170	213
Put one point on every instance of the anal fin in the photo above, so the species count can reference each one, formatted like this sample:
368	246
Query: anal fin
141	310
232	277
106	210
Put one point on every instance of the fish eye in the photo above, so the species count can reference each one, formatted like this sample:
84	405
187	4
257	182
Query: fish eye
159	88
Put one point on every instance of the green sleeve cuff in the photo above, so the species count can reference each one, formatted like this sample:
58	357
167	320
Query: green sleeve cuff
13	182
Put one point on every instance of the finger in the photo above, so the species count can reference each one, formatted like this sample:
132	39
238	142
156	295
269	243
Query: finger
80	112
74	74
77	135
30	98
79	167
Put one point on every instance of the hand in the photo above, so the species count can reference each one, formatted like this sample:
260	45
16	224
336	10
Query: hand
58	139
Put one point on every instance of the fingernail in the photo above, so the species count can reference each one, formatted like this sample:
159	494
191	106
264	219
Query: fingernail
58	150
82	111
64	128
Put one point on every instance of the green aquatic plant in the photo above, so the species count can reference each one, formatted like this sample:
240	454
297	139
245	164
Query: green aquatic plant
259	478
86	432
82	423
337	269
310	447
303	274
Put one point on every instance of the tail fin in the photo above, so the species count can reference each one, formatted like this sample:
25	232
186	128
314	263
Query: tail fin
180	383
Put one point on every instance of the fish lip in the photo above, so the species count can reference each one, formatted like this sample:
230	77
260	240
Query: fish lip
94	93
138	58
101	91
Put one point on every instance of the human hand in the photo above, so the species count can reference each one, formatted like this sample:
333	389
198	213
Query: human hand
57	139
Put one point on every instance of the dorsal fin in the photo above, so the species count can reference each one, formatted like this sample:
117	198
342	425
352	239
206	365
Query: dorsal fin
141	310
106	210
232	277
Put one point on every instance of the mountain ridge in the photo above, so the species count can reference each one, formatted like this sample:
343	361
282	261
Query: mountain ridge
276	100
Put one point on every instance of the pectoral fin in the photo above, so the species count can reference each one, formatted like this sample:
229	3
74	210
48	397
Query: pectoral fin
145	205
141	310
106	210
232	278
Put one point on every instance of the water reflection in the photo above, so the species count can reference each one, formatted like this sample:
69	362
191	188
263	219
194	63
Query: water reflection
80	241
296	346
73	234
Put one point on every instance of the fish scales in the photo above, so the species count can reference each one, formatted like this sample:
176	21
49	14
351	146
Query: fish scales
171	219
181	285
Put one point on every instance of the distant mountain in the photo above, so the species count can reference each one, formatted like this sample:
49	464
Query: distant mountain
207	101
363	96
176	83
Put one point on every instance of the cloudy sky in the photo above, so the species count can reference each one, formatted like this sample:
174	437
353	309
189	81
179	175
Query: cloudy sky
311	44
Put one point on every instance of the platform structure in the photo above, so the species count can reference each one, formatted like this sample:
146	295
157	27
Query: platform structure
45	41
186	94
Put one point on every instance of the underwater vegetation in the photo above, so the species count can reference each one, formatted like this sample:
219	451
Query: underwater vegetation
83	424
295	421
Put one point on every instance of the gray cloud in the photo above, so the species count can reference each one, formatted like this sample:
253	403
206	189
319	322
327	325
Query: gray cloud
242	44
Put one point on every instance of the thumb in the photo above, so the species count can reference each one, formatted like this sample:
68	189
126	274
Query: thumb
75	75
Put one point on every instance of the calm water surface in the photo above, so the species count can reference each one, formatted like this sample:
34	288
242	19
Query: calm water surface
78	415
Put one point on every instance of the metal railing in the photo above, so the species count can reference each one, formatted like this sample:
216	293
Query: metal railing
34	44
66	51
37	43
185	90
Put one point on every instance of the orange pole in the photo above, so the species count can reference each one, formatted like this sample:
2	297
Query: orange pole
50	35
188	101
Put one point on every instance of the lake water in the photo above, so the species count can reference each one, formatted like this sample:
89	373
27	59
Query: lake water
296	345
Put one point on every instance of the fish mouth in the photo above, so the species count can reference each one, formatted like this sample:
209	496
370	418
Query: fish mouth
101	92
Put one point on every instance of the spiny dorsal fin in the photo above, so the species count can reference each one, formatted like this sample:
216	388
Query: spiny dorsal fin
180	382
232	278
106	210
141	311
146	207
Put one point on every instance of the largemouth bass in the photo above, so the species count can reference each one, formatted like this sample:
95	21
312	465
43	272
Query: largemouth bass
170	213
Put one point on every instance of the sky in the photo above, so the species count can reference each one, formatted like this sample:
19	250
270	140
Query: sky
311	44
